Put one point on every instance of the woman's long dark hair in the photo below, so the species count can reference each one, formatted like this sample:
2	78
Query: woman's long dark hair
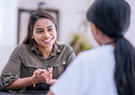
112	17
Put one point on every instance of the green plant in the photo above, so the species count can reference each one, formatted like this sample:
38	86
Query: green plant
79	43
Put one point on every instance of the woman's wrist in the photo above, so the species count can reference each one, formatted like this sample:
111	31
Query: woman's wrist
33	81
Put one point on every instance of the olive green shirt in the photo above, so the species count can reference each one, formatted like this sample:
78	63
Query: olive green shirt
24	61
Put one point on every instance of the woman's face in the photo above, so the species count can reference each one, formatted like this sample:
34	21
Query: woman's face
44	33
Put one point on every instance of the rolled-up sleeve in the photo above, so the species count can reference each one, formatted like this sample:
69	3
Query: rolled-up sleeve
11	71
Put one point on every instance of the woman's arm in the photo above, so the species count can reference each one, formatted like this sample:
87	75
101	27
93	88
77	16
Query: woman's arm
39	76
11	71
20	83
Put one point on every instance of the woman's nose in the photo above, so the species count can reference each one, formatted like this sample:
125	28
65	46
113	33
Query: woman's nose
46	34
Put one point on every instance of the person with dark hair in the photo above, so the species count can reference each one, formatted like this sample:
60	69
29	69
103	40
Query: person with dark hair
40	59
108	69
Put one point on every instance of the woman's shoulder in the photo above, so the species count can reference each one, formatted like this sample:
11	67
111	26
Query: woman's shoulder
66	47
99	52
20	48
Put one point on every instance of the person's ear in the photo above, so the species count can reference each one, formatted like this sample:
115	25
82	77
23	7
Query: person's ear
95	30
96	33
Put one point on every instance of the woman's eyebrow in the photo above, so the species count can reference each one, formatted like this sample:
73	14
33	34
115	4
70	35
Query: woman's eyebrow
39	29
50	26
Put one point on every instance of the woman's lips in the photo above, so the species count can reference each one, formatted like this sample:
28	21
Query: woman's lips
47	41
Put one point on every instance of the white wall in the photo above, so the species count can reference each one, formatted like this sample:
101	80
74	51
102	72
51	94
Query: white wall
131	32
8	27
9	20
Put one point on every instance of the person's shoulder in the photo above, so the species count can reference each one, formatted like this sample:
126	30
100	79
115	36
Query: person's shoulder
66	47
20	48
99	52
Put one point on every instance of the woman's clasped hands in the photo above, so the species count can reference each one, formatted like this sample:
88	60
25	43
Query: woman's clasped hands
43	76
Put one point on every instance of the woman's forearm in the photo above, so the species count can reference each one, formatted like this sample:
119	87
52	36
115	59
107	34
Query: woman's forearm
20	83
24	82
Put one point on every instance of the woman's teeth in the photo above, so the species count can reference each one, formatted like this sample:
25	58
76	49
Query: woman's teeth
47	40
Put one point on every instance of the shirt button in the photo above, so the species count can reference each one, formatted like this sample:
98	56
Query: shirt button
64	62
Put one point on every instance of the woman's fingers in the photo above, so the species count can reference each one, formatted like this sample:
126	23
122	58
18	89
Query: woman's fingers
39	71
50	69
42	71
42	75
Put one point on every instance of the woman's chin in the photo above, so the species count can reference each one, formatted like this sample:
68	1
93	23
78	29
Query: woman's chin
47	45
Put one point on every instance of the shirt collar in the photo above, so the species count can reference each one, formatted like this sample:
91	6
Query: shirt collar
35	50
56	49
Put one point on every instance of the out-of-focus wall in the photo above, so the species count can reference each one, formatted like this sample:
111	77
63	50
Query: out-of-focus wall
131	32
8	22
8	27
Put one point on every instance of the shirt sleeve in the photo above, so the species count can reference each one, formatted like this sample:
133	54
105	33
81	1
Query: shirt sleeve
11	71
70	55
69	82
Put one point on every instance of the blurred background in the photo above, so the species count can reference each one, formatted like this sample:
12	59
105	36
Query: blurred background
70	14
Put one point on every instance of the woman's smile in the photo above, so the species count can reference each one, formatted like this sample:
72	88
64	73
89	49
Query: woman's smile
48	40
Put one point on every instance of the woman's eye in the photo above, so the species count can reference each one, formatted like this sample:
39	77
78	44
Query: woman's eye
50	29
40	31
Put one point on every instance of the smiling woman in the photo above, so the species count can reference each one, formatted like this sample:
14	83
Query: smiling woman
40	59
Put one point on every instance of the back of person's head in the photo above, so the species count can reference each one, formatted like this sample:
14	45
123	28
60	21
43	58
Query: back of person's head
112	18
35	17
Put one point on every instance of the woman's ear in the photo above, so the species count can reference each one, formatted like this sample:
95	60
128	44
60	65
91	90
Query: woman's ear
95	30
96	33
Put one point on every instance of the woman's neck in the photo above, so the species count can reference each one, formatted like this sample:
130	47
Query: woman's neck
46	51
107	40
